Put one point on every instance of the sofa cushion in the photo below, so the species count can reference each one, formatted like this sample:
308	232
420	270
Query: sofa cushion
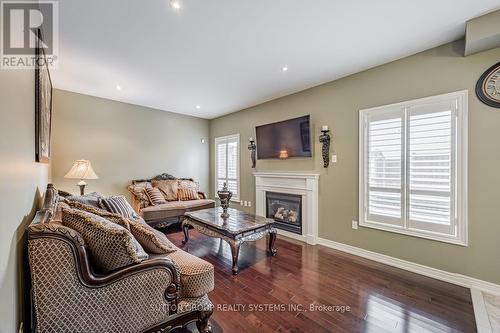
198	204
197	275
188	183
185	194
118	205
88	199
168	187
175	208
152	240
155	196
113	217
110	245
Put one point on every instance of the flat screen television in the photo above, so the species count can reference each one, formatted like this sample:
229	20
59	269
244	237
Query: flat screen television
288	138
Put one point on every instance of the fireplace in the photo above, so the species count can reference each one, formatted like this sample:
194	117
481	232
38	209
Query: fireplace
286	210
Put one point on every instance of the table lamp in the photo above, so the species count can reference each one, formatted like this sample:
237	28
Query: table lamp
81	169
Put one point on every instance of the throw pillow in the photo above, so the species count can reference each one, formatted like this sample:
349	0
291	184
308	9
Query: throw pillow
89	199
118	205
155	196
188	183
111	246
116	218
138	191
168	187
152	240
185	194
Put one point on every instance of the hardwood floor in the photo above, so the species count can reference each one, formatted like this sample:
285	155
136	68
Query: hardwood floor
275	294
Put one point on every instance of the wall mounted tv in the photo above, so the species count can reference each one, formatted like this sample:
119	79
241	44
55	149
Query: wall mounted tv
289	138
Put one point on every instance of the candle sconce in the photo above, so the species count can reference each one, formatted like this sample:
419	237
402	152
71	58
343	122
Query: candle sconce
252	147
324	138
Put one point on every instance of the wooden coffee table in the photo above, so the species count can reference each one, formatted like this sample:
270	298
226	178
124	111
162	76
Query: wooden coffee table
239	227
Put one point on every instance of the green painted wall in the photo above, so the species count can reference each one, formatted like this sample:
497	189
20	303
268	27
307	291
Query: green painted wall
436	71
124	142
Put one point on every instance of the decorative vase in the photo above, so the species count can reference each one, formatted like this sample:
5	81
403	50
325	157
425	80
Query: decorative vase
224	197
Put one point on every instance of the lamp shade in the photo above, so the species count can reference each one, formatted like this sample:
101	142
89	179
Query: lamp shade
81	169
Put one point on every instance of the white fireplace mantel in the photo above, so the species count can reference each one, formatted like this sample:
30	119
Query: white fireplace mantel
299	183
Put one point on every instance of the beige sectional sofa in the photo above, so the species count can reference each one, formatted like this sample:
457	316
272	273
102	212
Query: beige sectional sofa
170	212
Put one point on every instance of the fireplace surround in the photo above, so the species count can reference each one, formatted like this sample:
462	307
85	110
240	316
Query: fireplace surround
297	185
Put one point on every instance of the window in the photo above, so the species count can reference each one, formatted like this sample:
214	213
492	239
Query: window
413	168
227	164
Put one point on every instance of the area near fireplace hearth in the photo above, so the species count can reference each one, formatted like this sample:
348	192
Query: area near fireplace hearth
291	199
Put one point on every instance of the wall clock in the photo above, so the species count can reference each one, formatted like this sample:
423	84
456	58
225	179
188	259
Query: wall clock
488	86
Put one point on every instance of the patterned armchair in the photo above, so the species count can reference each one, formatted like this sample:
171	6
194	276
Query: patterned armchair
68	296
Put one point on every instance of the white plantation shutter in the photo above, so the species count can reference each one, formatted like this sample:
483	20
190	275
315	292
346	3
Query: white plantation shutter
413	167
384	178
431	166
227	163
221	159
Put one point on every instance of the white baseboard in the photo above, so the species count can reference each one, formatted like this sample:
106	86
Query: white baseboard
482	319
288	234
455	278
309	239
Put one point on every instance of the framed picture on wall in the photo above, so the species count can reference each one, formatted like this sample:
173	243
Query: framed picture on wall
43	104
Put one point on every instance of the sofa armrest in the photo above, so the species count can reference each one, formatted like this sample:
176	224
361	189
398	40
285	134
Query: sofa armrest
65	288
202	195
136	205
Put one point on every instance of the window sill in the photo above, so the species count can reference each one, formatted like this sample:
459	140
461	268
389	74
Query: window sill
415	233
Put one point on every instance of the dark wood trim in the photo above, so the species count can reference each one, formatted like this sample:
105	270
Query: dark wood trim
49	206
159	177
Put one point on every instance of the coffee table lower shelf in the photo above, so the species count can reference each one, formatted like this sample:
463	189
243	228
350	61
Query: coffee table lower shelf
234	240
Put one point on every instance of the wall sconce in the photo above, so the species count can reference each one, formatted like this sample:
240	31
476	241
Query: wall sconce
283	154
252	147
324	138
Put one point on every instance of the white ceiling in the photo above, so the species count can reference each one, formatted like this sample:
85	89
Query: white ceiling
226	55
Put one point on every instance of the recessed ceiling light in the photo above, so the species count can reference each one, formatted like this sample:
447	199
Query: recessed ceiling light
284	68
198	107
118	87
175	4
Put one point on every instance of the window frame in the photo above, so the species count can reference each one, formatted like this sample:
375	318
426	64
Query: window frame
217	140
460	188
